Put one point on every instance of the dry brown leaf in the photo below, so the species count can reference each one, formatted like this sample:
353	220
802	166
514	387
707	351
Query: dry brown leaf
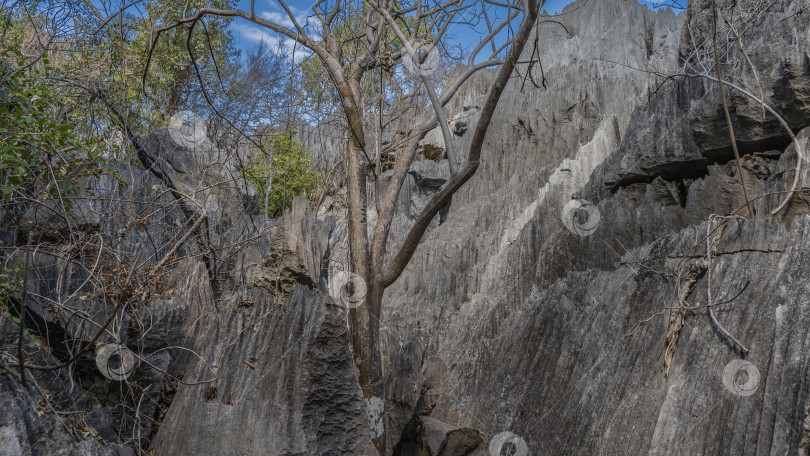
673	333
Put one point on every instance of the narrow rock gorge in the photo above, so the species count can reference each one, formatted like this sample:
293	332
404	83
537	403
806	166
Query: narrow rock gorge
599	286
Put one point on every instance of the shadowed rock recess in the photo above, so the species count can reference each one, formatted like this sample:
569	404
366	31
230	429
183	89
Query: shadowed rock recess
586	293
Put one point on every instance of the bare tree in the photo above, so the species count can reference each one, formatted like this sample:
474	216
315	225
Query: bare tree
352	40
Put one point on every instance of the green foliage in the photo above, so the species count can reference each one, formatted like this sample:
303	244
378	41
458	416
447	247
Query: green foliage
292	172
8	285
109	57
172	77
36	146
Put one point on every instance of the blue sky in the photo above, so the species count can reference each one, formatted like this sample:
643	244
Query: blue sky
248	35
555	6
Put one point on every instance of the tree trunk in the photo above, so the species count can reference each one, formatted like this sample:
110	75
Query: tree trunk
365	318
371	376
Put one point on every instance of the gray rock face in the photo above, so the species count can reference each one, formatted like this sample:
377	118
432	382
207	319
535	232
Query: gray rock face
25	432
683	127
446	440
525	322
297	249
602	390
275	378
426	436
210	176
272	373
67	306
659	142
783	71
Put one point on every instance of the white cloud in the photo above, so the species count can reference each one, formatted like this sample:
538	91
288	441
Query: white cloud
282	18
278	18
256	34
253	34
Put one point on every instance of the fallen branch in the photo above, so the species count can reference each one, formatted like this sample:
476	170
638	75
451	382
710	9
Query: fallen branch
709	242
182	241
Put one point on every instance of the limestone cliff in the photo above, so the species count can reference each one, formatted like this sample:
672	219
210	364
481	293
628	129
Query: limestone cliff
590	290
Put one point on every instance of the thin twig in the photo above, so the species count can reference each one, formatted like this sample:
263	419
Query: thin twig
709	240
182	241
725	109
22	312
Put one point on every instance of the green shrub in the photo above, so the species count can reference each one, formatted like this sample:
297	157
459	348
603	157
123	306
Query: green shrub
37	147
292	171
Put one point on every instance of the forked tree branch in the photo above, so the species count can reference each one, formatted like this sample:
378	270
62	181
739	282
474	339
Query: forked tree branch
431	90
391	272
405	158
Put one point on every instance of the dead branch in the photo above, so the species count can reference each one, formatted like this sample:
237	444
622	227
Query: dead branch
725	109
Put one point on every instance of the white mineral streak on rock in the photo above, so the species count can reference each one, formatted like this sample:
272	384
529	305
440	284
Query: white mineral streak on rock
568	178
376	413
